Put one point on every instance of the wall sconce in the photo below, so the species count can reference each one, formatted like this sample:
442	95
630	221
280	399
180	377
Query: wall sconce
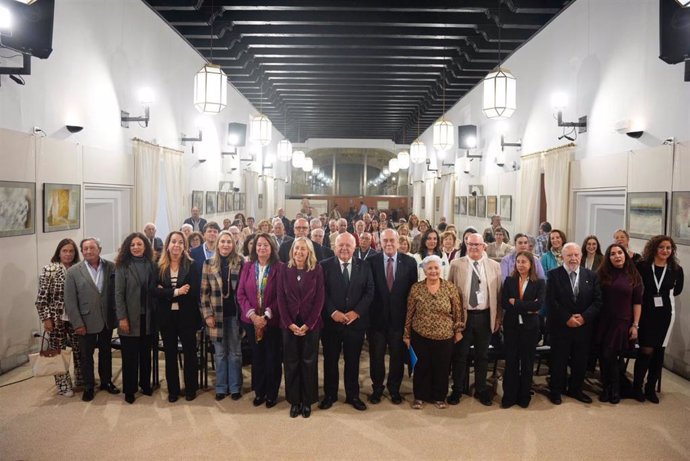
184	139
505	144
559	101
146	99
633	130
74	128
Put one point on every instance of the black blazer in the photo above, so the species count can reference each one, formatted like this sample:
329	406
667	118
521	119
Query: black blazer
199	257
339	297
188	304
327	252
560	302
530	304
389	308
284	251
202	223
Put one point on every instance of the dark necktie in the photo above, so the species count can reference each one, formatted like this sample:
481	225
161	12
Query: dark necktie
346	275
573	284
389	274
474	287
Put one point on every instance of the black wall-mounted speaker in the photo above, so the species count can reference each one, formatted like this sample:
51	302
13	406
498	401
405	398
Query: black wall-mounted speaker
674	31
32	27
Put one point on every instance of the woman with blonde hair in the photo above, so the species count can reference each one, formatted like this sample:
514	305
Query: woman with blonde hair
220	311
264	226
301	295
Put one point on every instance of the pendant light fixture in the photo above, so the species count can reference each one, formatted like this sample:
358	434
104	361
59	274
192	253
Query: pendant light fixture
393	165
418	148
285	146
210	84
404	157
442	131
261	126
298	155
500	88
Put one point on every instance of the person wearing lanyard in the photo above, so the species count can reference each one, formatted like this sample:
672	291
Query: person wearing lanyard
573	295
257	295
522	297
663	278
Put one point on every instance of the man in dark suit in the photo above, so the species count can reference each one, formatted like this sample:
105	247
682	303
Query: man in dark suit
156	242
365	250
279	232
286	222
301	228
573	296
394	274
349	291
318	236
90	305
198	224
205	251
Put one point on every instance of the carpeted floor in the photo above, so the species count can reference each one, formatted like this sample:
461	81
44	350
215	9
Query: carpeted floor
36	424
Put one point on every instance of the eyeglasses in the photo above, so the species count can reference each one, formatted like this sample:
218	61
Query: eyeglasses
474	245
301	227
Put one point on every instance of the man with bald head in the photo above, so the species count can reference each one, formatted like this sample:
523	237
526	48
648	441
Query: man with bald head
317	236
301	228
341	228
394	273
196	221
349	291
279	232
364	250
573	295
478	280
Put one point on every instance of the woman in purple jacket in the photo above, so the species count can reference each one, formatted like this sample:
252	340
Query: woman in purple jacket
300	302
256	294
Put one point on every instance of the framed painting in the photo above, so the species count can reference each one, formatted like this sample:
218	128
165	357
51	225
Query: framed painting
261	201
680	217
211	202
506	207
61	207
463	205
221	202
236	201
456	205
243	200
17	208
471	205
438	204
491	205
198	200
481	206
645	214
229	201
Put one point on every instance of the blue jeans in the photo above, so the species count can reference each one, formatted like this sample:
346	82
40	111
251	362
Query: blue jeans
228	358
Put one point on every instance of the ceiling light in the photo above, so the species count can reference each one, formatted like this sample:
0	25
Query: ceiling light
417	152
393	165
403	160
443	135
210	89
298	159
284	150
308	164
500	88
261	130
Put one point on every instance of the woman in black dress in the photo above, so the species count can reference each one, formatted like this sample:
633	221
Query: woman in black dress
663	280
616	330
522	297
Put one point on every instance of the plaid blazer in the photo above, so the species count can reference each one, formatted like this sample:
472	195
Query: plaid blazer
212	296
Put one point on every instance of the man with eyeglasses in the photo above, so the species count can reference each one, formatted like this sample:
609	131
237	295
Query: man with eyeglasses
301	229
478	280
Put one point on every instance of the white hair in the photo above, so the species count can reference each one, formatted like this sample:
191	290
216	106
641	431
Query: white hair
431	259
186	226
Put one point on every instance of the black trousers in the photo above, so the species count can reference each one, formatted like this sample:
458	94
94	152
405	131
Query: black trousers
569	346
136	362
350	342
430	379
173	330
520	342
87	344
478	334
267	361
378	341
300	357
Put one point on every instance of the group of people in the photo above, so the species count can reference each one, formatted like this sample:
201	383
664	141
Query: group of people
287	293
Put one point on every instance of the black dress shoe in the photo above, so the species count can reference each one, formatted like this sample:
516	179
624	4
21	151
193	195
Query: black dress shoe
523	403
306	411
639	395
506	404
555	399
580	397
615	397
326	403
453	398
295	410
147	391
605	395
172	398
258	401
129	398
357	404
650	394
235	396
110	388
190	397
375	398
220	396
396	398
484	398
87	396
271	403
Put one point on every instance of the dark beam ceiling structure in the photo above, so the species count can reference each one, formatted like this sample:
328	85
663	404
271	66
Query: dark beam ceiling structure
371	69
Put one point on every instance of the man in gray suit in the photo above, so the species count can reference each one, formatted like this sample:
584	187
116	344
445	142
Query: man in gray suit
90	306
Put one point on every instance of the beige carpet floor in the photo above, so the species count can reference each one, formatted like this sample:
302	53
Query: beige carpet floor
36	424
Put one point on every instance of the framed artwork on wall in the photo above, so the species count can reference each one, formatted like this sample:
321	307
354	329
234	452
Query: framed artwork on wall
221	202
463	205
506	210
211	198
236	201
471	205
680	217
198	200
645	214
61	207
17	208
243	200
229	201
456	205
261	201
438	204
481	206
491	205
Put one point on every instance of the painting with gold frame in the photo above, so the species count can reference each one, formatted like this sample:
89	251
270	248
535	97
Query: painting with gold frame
61	207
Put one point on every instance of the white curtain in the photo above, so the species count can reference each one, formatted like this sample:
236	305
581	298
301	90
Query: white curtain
175	185
557	186
279	197
528	199
417	197
251	188
146	182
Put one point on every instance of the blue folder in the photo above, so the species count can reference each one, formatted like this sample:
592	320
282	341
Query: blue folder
413	361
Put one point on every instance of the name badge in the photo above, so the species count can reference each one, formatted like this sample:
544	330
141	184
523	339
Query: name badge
658	301
481	298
